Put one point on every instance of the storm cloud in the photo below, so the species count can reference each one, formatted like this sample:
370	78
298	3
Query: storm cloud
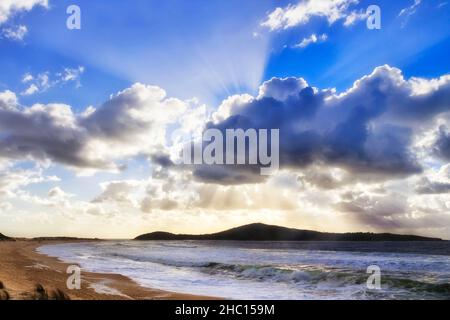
366	130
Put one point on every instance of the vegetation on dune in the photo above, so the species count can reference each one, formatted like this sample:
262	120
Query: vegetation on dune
4	295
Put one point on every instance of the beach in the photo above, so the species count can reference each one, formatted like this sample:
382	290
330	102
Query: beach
193	270
22	270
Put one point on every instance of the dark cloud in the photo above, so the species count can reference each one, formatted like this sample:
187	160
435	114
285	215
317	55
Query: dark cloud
425	186
227	174
162	160
121	116
128	124
367	130
442	144
45	132
323	179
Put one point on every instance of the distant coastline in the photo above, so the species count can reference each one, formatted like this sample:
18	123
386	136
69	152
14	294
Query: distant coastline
263	232
252	232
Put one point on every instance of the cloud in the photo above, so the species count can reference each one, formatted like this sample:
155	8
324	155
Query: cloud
355	16
310	40
70	74
132	122
32	89
118	191
45	80
278	88
13	179
326	178
45	132
426	186
173	190
27	77
442	143
8	100
16	33
372	155
58	193
148	204
407	12
367	130
380	211
397	211
302	12
10	7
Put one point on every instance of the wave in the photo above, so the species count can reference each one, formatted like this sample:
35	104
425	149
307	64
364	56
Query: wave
300	275
305	274
178	246
331	277
263	274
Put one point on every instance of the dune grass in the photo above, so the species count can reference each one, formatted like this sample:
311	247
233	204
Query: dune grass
4	295
40	293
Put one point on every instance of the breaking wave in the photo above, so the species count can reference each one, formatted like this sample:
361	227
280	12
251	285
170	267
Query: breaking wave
263	271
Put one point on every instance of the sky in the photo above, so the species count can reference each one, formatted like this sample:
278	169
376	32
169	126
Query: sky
90	118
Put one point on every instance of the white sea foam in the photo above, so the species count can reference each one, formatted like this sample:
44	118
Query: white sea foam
103	288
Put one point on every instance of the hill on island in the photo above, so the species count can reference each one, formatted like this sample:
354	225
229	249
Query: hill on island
263	232
5	238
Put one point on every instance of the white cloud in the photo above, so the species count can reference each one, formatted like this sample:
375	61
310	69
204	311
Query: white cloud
10	7
70	74
122	192
407	12
411	9
311	39
12	180
32	89
16	33
280	88
58	193
422	86
45	80
8	100
301	13
27	77
355	16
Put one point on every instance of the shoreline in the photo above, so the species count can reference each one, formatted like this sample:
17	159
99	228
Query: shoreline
22	269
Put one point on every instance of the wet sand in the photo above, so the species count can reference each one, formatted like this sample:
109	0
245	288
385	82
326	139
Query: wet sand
22	270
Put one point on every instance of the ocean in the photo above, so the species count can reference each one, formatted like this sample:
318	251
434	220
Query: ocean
271	270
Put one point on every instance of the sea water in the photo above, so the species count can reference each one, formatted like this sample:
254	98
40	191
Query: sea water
271	270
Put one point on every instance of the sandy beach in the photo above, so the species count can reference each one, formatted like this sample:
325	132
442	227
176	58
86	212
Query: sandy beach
26	274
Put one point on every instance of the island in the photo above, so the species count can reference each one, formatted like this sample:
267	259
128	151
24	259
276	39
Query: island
264	232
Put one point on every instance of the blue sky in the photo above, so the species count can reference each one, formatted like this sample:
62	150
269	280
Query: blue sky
213	51
178	45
